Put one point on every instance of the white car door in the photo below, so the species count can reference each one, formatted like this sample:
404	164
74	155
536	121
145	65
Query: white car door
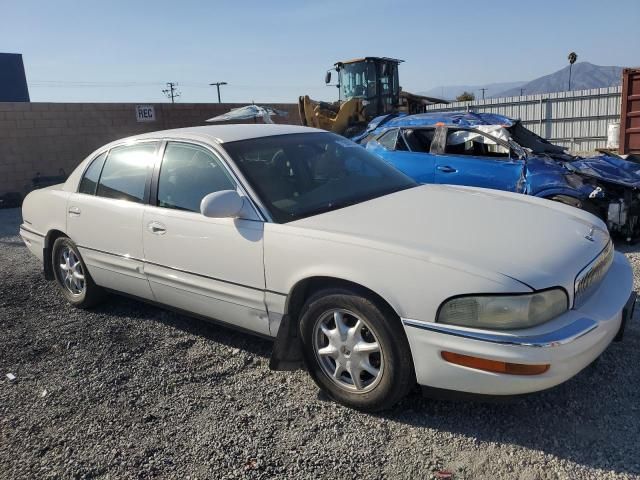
105	217
209	266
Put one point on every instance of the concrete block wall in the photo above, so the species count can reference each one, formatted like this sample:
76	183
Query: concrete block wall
47	137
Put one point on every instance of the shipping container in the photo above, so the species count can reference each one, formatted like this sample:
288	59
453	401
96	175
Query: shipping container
630	111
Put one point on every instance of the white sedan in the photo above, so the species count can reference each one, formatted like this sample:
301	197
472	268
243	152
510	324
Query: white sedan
375	281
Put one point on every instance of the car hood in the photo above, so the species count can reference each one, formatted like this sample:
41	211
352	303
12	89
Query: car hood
537	242
608	168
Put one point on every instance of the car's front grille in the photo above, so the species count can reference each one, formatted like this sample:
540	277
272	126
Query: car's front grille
590	277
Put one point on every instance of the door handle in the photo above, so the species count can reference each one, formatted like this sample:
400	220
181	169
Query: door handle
74	211
157	228
446	169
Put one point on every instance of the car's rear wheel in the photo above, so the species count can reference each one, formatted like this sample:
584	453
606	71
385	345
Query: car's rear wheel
356	350
72	275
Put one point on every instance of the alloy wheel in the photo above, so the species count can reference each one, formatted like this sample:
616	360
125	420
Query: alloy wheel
71	272
348	351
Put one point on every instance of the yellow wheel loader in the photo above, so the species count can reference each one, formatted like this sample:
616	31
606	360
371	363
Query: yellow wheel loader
368	87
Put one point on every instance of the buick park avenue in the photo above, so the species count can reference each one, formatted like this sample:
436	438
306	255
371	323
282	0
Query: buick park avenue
375	281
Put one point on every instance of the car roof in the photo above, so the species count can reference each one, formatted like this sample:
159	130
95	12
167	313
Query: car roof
222	133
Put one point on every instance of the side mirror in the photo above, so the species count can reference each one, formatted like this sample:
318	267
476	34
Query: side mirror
327	77
222	204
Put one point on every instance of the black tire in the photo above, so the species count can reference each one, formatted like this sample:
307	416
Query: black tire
90	294
396	373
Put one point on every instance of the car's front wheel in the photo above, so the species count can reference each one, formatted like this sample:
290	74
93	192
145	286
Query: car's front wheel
72	275
356	350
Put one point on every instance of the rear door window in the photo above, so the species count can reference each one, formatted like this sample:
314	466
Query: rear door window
473	143
126	171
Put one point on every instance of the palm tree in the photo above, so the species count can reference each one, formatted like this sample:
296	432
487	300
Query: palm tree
573	56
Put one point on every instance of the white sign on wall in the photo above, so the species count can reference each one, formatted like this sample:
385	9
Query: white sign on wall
145	113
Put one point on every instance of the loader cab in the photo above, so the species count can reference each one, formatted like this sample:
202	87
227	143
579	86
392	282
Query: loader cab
374	80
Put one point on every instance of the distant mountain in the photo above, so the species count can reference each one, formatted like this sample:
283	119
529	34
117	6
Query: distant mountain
450	92
584	75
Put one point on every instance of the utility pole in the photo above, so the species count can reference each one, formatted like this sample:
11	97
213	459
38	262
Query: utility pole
522	91
483	90
217	84
171	91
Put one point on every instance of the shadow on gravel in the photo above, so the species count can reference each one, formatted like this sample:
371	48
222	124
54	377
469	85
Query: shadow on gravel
625	247
12	243
120	306
592	420
10	219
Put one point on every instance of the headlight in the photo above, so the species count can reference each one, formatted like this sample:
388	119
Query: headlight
502	312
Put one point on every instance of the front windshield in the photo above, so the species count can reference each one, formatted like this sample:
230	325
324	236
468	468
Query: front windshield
305	174
358	80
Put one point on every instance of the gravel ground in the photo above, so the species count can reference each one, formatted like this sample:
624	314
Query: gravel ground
129	390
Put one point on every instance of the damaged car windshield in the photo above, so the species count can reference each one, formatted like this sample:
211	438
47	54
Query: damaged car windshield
300	175
535	143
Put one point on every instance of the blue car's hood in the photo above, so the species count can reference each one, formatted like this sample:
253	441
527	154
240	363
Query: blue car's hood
547	175
608	168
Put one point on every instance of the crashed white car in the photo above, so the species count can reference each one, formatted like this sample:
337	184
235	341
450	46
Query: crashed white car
302	235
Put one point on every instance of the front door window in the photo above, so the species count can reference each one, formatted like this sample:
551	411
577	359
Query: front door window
189	173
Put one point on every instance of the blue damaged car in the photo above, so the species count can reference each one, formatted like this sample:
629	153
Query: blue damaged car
494	151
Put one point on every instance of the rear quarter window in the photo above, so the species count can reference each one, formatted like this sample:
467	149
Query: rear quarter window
89	181
473	143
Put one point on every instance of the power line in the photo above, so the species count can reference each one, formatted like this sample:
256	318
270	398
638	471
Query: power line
124	84
171	91
63	83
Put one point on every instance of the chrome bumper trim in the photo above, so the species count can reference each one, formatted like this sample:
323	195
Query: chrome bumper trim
562	336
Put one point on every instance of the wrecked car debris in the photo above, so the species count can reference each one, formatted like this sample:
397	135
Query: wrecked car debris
494	151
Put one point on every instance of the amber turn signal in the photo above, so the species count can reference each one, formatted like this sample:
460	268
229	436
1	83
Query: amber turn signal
493	365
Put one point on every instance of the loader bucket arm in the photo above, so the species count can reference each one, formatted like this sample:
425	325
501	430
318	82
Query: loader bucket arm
330	116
